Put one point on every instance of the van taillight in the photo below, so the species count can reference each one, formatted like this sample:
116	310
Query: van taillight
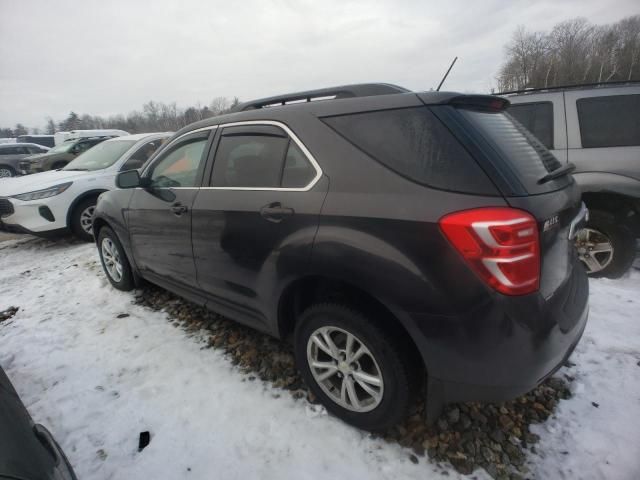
500	244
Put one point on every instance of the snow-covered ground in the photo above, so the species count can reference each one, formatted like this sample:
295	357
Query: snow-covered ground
97	381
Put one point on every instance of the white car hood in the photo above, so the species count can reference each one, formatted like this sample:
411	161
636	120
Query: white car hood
39	181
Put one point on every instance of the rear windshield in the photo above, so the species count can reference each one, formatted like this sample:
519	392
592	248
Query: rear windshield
520	150
415	144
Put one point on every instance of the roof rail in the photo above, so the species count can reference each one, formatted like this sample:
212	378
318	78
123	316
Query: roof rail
345	91
566	87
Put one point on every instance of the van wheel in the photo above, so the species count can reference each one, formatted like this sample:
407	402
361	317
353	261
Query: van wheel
114	260
82	219
606	247
6	171
358	372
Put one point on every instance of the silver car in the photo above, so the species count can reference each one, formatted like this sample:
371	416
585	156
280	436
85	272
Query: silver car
597	128
12	153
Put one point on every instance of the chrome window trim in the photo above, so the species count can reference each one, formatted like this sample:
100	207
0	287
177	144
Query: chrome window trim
295	138
281	125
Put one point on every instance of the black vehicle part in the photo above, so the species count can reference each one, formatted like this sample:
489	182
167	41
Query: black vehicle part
621	238
77	220
346	91
399	375
125	283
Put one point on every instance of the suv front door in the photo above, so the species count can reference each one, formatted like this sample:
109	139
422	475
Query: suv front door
159	215
256	221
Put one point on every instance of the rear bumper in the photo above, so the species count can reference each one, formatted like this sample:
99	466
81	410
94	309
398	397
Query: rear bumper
505	347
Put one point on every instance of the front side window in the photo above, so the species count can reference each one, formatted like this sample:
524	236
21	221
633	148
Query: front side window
179	166
260	157
610	121
537	118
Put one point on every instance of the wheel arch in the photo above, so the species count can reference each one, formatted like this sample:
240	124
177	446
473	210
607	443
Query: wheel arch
307	290
83	196
623	208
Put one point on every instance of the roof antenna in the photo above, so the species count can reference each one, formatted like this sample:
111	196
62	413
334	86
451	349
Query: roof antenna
446	74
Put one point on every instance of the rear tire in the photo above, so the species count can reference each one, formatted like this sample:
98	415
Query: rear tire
382	379
114	260
6	171
82	219
605	228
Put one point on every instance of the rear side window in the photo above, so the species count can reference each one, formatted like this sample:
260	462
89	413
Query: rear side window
415	144
611	121
260	157
537	118
518	148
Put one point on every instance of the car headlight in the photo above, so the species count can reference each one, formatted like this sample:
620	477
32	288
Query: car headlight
44	193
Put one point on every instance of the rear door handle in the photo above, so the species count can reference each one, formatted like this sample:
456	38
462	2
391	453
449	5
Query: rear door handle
275	212
178	209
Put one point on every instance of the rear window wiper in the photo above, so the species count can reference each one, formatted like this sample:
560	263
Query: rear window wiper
558	172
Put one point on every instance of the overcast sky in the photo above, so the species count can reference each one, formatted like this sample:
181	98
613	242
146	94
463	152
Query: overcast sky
106	57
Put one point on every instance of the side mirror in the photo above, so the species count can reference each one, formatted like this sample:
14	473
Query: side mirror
130	179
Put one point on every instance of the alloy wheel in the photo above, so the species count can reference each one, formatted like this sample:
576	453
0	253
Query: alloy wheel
86	219
5	173
111	259
345	369
594	249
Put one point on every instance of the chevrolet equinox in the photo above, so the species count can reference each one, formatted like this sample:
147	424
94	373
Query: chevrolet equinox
394	237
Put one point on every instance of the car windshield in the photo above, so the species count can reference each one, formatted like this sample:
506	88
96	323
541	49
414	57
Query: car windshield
101	156
62	148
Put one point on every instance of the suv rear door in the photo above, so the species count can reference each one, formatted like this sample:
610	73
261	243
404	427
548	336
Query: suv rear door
604	130
256	220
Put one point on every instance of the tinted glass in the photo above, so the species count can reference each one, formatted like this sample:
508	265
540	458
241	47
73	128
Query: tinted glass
142	155
9	151
179	167
415	144
612	121
101	156
249	160
523	153
298	171
537	118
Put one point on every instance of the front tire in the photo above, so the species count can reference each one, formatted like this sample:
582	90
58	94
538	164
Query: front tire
359	372
606	247
82	219
114	260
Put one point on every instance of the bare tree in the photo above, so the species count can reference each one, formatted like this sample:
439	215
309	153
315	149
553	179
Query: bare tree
573	52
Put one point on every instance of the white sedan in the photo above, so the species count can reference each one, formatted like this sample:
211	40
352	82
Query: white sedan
56	201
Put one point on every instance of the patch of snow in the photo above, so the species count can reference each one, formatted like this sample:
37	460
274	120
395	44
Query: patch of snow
97	381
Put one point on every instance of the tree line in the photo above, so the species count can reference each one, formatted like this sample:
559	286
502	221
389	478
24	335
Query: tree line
154	117
572	52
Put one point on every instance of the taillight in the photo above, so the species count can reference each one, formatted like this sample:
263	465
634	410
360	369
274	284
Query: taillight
500	244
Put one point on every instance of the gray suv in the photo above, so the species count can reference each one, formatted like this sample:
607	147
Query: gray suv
12	153
597	128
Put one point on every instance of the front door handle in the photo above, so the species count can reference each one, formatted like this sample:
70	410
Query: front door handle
178	209
275	212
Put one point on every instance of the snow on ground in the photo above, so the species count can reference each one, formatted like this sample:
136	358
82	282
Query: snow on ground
97	381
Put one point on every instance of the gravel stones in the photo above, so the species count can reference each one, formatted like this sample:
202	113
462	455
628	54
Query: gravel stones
494	437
